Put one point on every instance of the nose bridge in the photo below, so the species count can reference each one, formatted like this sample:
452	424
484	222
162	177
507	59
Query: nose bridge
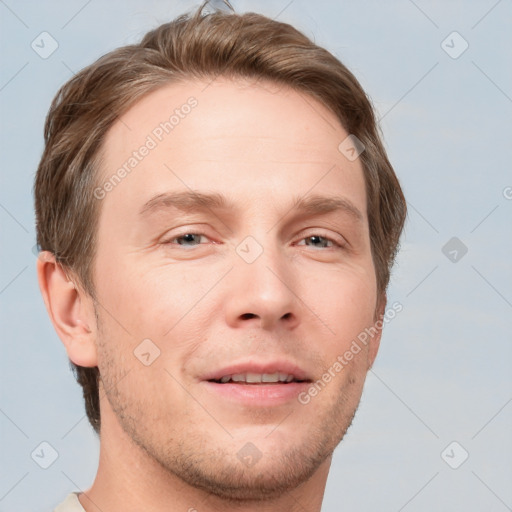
261	264
266	273
261	284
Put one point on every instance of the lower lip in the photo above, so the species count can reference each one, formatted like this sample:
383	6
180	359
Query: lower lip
257	394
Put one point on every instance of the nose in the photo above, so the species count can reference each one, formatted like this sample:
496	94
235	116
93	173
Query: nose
262	294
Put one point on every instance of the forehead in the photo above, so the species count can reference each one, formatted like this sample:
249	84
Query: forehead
232	136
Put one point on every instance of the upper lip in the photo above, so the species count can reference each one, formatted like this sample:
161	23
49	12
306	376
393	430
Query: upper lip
268	367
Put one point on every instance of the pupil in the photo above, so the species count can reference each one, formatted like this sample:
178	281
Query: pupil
189	237
315	239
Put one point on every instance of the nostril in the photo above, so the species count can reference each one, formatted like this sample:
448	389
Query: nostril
247	316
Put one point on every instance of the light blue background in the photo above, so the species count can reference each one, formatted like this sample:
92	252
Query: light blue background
443	373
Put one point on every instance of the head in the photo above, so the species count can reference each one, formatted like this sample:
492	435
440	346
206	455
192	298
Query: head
160	159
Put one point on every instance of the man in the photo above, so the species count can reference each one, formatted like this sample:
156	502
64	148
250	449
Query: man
217	220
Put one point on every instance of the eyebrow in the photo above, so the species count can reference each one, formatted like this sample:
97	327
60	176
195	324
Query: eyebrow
318	205
190	201
187	201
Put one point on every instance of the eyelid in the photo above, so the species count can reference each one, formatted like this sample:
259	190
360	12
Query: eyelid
168	240
340	242
185	229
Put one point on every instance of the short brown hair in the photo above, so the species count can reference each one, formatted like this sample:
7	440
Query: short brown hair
200	46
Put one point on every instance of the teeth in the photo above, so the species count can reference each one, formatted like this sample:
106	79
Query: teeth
254	378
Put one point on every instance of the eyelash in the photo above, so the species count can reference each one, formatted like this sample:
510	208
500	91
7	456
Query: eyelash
336	244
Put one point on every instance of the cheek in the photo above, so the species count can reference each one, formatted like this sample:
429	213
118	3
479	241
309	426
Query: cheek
344	300
158	301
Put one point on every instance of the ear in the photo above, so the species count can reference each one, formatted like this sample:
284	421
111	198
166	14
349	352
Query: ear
71	310
374	343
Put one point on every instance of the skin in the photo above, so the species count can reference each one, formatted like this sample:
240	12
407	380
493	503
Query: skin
167	443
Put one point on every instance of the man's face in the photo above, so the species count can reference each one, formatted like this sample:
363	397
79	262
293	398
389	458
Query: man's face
254	287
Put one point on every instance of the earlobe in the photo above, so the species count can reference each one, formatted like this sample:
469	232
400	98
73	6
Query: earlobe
378	326
70	309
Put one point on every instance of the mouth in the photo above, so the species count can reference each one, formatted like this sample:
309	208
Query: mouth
258	378
256	384
252	372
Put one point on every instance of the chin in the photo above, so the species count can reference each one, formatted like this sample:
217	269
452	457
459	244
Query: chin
265	481
278	471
